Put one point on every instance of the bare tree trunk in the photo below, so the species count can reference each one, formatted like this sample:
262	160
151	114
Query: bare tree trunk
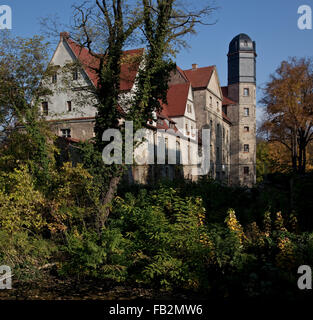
108	198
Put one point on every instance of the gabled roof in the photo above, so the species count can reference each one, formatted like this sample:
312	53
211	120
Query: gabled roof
177	97
199	77
181	71
129	68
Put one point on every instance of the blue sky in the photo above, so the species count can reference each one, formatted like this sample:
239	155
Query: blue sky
271	23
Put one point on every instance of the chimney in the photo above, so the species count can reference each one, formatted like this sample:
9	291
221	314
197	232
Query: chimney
194	66
64	35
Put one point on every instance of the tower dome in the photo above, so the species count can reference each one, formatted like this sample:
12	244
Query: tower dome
242	42
242	60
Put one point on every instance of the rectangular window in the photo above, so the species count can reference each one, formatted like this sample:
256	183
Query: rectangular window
211	101
45	108
246	92
246	129
246	170
246	112
189	108
75	74
54	78
69	106
66	133
246	148
187	129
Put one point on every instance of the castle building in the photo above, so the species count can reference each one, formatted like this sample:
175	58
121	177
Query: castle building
196	100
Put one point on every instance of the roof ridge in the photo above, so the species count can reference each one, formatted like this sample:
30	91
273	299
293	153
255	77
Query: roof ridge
201	68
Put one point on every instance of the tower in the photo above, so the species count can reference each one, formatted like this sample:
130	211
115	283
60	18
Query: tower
242	89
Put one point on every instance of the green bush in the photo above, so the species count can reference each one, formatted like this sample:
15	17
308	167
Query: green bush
25	254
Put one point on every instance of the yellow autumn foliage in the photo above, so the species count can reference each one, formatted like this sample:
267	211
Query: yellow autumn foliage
21	205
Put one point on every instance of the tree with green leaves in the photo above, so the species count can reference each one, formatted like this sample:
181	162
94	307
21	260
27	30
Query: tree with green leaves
23	67
107	27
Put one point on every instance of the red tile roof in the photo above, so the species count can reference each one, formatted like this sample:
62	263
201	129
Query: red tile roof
177	96
199	77
129	68
181	71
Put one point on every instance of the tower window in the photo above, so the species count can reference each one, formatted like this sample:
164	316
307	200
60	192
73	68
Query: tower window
66	133
189	108
211	101
246	112
246	43
246	92
246	129
69	106
45	108
246	170
246	148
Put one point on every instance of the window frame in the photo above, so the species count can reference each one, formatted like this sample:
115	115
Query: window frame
66	132
45	110
75	74
69	106
246	112
55	78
